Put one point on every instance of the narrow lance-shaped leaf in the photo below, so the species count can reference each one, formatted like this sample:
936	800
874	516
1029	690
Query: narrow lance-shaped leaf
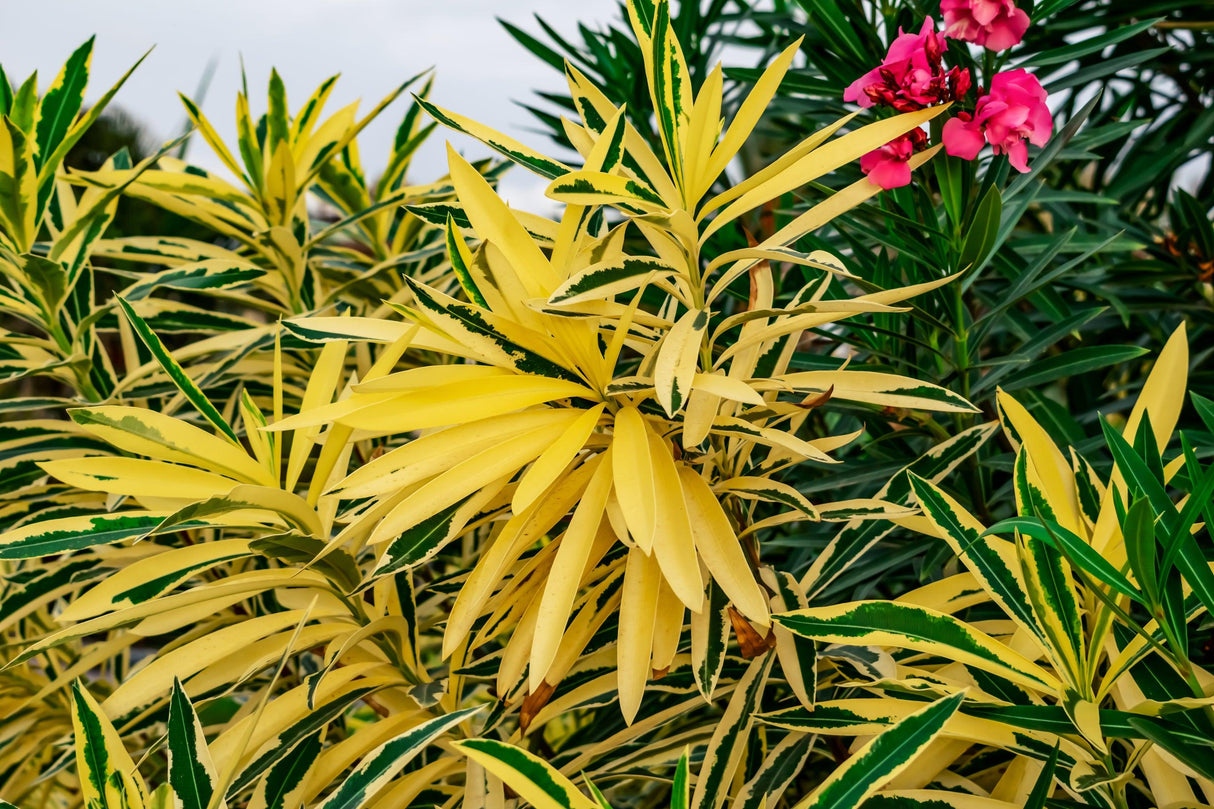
981	555
176	373
381	764
108	779
191	772
729	739
62	100
890	623
882	758
536	782
284	784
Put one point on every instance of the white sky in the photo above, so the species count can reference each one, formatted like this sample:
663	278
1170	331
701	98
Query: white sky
374	44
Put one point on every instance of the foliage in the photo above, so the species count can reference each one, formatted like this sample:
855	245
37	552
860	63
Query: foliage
1077	268
380	494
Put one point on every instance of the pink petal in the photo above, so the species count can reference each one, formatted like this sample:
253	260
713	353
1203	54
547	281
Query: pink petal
961	139
855	90
1018	156
890	174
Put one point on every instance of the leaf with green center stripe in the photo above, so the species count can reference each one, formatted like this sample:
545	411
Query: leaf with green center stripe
591	188
485	332
191	771
461	260
709	640
283	785
1084	555
502	144
670	86
290	737
215	273
678	359
783	764
108	779
380	765
730	737
882	758
76	533
992	561
62	100
859	536
177	374
607	279
1047	578
890	623
533	779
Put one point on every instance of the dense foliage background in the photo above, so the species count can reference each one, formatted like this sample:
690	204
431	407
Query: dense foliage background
742	482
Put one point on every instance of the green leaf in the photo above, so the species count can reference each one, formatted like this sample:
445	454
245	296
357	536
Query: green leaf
1193	752
535	781
75	533
1141	547
191	773
1071	363
883	757
1044	784
1090	45
384	762
177	374
282	786
680	790
890	623
983	230
63	99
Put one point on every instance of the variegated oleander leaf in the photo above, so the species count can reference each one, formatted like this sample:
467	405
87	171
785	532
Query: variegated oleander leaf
191	772
533	779
379	766
108	779
882	758
889	623
729	738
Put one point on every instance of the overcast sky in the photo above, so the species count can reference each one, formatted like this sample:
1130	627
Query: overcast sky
374	44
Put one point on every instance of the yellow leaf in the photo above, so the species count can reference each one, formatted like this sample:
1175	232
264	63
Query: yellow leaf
493	220
568	568
638	606
678	359
718	546
633	473
555	459
673	543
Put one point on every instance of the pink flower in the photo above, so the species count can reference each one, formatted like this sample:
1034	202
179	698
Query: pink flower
887	166
911	76
1013	111
997	24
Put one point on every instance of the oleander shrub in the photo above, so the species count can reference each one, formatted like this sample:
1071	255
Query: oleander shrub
738	482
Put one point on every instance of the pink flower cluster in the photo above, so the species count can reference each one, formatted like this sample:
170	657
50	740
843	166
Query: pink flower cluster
912	76
994	24
888	166
1012	112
